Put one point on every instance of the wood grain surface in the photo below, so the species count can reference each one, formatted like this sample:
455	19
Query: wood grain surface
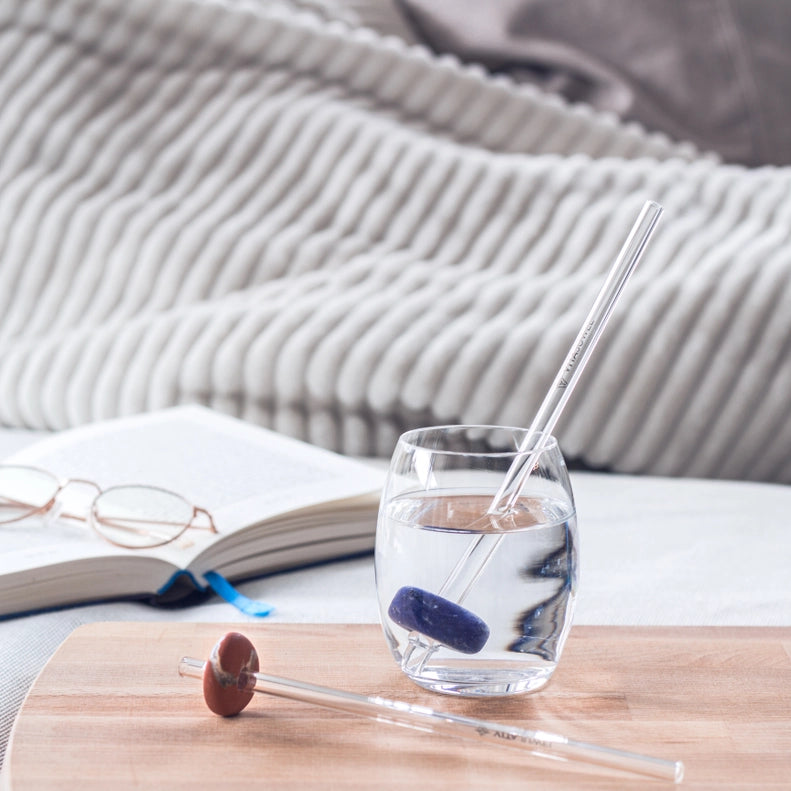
110	711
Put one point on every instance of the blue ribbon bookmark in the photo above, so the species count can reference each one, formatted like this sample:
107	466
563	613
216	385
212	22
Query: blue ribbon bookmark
223	588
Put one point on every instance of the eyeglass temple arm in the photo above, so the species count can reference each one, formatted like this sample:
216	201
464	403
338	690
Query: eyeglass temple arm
8	502
126	522
211	527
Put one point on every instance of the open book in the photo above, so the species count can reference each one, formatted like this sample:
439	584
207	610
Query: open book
277	503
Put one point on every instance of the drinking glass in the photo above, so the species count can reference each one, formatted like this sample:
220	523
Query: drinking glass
499	626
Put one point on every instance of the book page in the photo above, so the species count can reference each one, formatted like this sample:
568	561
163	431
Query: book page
239	472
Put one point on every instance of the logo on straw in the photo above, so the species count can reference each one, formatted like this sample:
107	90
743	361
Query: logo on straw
571	361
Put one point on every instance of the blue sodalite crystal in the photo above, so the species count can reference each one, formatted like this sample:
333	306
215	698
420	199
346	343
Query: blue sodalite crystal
441	620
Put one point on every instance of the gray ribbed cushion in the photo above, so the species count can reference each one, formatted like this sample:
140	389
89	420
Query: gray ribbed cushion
340	237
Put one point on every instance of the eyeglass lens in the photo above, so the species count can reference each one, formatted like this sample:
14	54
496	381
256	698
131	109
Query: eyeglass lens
140	516
23	491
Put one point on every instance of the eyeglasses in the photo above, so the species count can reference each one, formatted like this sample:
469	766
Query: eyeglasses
132	516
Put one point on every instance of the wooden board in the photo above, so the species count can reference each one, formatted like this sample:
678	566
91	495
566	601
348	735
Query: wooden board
110	711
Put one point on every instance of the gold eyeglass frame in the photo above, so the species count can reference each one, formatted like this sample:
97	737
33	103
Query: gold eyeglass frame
92	517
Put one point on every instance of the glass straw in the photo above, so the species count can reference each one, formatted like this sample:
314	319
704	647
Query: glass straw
536	742
481	548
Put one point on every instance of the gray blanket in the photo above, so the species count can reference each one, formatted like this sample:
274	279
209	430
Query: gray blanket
340	236
716	72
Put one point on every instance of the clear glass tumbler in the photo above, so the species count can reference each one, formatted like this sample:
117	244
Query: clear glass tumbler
471	605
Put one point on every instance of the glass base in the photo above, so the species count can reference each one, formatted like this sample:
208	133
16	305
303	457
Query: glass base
475	684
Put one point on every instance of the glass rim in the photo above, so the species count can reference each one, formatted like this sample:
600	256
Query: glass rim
408	438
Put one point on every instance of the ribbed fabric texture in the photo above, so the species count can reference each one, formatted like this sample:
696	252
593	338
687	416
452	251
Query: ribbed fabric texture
340	237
